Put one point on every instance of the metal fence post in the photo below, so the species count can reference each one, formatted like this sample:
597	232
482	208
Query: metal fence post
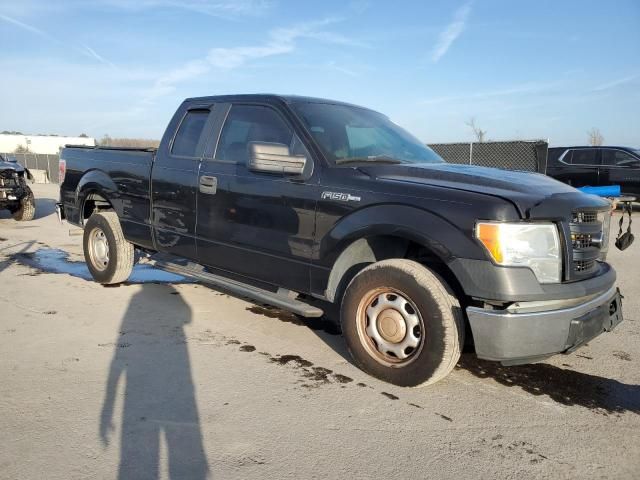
470	153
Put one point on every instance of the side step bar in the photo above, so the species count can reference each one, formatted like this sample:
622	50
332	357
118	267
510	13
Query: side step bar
284	299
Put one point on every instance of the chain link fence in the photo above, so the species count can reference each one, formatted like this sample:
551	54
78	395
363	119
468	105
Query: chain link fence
525	155
37	161
511	155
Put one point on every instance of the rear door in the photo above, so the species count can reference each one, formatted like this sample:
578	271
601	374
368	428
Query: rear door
620	167
174	180
259	225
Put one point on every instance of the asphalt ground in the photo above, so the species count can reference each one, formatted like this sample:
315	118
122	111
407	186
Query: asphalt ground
162	378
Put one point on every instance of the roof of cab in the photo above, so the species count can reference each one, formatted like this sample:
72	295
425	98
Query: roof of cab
261	97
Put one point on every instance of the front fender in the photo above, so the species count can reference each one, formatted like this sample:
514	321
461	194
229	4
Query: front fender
426	228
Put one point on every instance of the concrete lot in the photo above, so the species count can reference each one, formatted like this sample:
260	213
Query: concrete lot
175	380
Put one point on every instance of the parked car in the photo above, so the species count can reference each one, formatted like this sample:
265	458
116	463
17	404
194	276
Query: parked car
596	166
15	194
293	201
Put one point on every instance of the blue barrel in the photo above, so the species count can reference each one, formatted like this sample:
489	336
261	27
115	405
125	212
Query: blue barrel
608	191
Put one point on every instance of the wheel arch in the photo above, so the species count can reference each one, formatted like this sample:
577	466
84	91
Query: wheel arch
392	231
95	190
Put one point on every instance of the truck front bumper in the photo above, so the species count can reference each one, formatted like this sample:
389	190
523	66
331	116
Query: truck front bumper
530	331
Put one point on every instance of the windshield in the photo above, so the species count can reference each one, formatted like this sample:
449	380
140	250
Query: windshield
344	132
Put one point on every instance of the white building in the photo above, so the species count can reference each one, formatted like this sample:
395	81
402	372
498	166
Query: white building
40	143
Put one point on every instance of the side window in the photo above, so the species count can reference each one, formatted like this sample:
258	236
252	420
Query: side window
618	157
250	123
189	135
566	158
587	156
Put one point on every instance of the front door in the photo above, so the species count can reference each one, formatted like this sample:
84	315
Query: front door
621	168
259	225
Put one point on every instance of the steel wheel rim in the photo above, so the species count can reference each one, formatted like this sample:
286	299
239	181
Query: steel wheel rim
99	249
390	327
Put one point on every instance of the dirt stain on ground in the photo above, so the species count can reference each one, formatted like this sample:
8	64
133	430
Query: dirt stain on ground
342	378
622	356
318	324
567	387
444	417
247	348
389	395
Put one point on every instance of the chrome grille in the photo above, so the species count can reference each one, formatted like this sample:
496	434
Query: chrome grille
581	240
585	217
583	265
586	242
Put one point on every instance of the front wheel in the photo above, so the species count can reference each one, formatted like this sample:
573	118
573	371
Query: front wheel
27	208
108	255
402	323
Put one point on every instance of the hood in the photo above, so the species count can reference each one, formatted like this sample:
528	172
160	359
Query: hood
526	190
5	165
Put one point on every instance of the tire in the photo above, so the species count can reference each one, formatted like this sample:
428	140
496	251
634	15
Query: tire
388	294
108	255
27	209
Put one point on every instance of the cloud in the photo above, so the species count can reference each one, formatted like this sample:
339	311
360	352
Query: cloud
615	83
214	8
451	32
83	49
27	27
91	53
279	42
522	89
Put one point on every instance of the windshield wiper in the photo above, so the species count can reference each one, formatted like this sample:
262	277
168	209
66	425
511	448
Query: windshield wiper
370	158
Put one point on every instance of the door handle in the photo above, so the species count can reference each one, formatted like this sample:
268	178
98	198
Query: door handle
208	184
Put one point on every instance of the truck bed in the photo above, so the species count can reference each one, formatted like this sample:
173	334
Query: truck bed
124	171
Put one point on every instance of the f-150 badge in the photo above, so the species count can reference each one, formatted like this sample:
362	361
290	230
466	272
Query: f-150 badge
342	197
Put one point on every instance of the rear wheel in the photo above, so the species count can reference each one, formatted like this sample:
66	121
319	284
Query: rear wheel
27	208
108	255
402	323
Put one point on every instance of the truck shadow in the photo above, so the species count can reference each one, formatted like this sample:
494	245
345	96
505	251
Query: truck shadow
567	387
151	362
45	207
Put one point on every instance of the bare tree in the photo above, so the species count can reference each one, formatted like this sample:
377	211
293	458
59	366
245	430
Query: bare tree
595	137
21	149
477	131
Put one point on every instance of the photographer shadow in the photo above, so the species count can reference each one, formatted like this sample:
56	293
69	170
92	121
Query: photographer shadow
151	356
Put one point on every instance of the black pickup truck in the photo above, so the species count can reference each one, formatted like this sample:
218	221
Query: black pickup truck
305	203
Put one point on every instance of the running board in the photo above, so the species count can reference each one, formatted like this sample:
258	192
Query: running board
284	299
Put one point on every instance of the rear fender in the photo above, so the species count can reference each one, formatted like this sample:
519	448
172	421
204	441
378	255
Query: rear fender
97	181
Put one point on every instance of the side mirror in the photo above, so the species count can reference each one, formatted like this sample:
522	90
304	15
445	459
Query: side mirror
274	158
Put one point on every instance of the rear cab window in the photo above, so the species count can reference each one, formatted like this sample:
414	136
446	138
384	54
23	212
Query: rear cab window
190	138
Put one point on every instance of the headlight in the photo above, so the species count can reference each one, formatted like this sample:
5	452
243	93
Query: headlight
605	219
532	245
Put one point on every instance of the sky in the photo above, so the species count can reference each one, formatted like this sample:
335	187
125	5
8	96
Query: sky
522	69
